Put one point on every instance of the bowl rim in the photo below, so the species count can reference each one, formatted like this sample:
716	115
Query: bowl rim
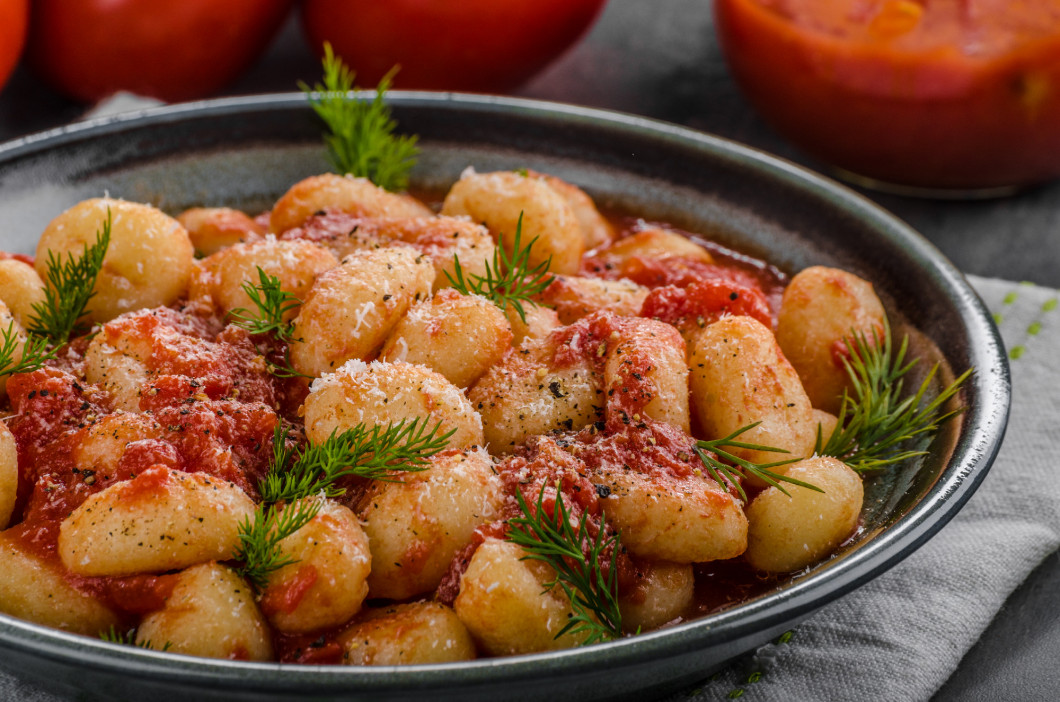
983	427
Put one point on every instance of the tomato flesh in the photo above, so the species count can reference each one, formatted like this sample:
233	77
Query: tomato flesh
926	94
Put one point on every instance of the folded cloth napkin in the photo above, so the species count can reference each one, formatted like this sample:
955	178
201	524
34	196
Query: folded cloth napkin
881	642
900	636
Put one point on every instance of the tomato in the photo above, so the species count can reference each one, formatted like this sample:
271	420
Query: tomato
470	45
173	51
13	16
958	96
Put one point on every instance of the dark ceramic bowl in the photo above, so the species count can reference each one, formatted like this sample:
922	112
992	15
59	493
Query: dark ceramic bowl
245	152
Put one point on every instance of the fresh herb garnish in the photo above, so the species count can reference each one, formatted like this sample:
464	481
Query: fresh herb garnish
34	353
509	280
371	453
68	288
875	422
127	638
260	537
272	304
361	141
575	557
742	468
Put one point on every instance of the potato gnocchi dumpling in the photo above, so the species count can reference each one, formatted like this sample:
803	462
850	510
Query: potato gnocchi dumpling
536	322
351	309
219	279
690	520
505	606
498	200
360	474
415	526
20	289
17	337
212	229
379	393
663	593
740	376
8	474
210	612
356	196
407	634
326	580
440	239
160	520
574	297
459	336
524	396
788	532
821	308
36	590
147	264
596	230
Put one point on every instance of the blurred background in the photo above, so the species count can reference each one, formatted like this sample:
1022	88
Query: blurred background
663	59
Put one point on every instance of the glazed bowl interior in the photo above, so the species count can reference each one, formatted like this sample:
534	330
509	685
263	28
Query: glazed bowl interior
244	153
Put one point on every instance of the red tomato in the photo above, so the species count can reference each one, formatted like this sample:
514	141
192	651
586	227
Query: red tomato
931	95
175	50
13	16
471	45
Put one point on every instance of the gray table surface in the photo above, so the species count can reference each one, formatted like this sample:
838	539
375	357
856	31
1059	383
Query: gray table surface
660	59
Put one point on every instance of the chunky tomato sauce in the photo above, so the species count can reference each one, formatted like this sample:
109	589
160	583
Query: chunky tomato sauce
208	407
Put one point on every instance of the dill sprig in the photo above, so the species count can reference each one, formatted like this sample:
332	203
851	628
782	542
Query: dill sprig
741	467
371	453
876	423
272	304
68	288
361	141
128	638
509	280
260	537
575	557
34	352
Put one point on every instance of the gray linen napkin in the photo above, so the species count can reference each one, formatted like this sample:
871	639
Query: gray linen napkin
902	635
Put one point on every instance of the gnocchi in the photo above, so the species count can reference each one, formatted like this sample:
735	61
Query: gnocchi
406	634
147	264
256	481
210	612
507	202
822	307
160	520
325	582
350	311
417	525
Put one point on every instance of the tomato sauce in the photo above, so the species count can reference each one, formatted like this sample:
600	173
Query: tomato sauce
948	95
286	596
309	649
704	302
209	407
133	594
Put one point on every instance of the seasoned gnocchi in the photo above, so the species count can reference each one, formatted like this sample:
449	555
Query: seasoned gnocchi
343	434
350	310
148	262
160	520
